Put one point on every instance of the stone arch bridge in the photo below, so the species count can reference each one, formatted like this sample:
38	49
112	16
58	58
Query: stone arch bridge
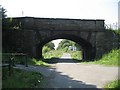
31	34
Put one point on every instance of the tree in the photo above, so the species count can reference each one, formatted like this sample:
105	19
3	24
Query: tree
3	11
50	45
65	44
6	22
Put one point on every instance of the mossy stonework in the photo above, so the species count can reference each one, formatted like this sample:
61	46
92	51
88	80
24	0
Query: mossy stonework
30	34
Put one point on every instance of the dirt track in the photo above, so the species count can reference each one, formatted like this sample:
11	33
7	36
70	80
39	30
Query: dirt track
68	74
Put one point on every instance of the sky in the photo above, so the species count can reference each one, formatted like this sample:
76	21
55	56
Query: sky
73	9
78	9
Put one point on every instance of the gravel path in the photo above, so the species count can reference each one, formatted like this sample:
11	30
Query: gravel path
68	74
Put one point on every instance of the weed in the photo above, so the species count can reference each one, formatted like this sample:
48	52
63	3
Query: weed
21	79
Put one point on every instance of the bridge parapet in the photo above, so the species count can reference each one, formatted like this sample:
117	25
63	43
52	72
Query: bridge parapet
61	24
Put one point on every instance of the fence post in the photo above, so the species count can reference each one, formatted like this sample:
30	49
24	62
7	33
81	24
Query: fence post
26	61
10	65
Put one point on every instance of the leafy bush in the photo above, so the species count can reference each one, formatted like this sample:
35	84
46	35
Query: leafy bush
45	49
114	84
76	55
53	53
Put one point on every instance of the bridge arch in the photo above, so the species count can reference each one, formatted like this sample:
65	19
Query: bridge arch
87	49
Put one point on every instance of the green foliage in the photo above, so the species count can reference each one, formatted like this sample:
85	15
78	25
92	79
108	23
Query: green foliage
114	84
111	59
21	79
52	54
64	45
33	61
45	49
3	11
6	22
76	55
117	31
48	47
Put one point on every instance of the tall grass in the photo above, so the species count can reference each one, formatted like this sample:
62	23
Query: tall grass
110	59
76	55
21	79
33	61
52	54
114	84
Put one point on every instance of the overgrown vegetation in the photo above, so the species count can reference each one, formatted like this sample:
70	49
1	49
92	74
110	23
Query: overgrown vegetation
77	55
21	79
114	84
53	54
33	61
22	60
68	45
48	51
110	59
115	31
48	47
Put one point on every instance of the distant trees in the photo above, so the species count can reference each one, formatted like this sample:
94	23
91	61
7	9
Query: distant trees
7	23
3	12
65	44
48	47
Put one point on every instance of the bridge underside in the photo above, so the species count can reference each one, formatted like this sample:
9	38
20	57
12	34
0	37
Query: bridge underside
88	52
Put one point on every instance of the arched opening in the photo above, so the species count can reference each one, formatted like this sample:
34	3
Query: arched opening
87	49
62	48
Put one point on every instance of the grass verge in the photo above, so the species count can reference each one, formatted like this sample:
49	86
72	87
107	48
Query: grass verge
21	79
110	59
114	84
33	61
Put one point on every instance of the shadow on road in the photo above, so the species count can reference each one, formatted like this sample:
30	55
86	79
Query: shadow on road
55	79
64	81
61	60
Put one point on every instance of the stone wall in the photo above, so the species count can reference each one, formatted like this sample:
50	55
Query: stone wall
33	33
60	24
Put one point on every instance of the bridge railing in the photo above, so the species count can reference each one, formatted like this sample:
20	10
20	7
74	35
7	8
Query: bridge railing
10	59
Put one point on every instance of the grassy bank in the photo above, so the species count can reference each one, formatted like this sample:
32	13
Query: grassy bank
33	61
21	79
114	84
110	59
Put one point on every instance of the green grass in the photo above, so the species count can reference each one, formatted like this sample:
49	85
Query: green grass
33	61
114	84
53	54
21	79
76	55
110	59
22	60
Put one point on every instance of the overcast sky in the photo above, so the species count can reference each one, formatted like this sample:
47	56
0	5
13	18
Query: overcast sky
77	9
80	9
